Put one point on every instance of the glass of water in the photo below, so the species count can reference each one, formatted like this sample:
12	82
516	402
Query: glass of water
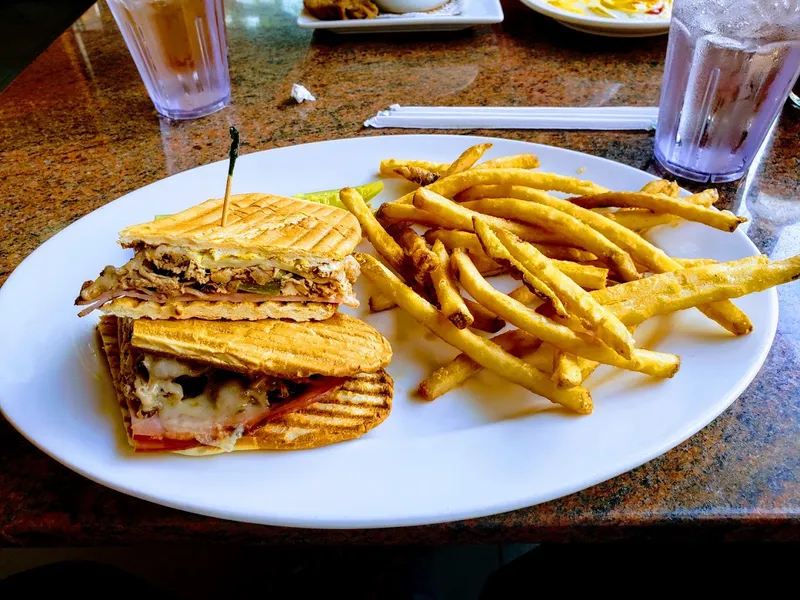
730	66
179	49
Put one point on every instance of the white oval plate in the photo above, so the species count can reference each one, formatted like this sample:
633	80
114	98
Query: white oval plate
485	448
596	25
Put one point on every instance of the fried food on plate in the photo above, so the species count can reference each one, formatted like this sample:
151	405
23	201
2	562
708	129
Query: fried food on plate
277	258
642	251
498	252
572	230
376	234
580	303
451	303
203	387
718	219
482	351
339	10
656	364
664	294
467	158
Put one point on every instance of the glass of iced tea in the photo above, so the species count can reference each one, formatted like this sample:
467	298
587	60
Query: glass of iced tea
179	48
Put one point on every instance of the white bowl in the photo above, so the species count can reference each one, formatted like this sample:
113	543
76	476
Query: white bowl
407	6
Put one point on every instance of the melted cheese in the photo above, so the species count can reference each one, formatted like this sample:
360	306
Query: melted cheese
225	401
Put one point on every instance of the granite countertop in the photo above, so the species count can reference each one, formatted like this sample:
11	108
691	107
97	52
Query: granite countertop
78	131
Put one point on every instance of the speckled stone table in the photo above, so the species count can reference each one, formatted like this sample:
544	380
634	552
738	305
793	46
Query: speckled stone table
77	130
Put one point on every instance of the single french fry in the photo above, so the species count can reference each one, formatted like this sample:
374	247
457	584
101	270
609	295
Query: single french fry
643	252
390	165
439	382
484	352
497	251
452	238
392	213
417	175
656	364
484	320
580	303
459	217
660	186
417	250
524	296
379	302
518	161
450	301
719	219
376	234
688	263
453	184
567	372
641	219
570	228
468	158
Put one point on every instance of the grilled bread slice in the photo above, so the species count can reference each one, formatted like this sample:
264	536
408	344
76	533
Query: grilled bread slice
258	224
341	346
236	311
361	404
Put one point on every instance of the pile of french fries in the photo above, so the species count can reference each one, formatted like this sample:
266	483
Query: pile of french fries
588	276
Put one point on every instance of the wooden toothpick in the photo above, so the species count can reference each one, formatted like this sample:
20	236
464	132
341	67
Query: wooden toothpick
232	155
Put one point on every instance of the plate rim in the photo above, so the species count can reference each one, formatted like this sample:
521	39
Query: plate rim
443	515
495	15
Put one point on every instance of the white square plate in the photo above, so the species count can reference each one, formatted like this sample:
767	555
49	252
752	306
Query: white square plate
476	12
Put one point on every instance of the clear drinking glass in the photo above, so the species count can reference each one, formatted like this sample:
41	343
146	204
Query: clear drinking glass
180	51
729	68
794	96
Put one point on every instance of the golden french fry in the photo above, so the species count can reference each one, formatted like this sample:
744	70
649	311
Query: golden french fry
453	184
459	217
660	186
656	364
484	319
660	294
586	276
486	353
687	263
518	161
643	252
452	238
580	303
719	219
390	165
570	228
375	233
442	380
417	175
495	249
641	219
524	296
567	371
450	301
468	158
379	303
393	213
417	250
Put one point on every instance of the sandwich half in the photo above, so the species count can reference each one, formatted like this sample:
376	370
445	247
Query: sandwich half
203	387
279	258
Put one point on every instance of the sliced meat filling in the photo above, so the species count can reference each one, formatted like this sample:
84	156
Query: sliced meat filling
162	275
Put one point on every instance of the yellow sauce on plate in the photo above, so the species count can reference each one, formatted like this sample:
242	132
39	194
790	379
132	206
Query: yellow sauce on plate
612	9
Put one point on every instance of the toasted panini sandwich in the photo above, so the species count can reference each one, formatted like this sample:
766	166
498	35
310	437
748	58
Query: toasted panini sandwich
279	258
203	387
